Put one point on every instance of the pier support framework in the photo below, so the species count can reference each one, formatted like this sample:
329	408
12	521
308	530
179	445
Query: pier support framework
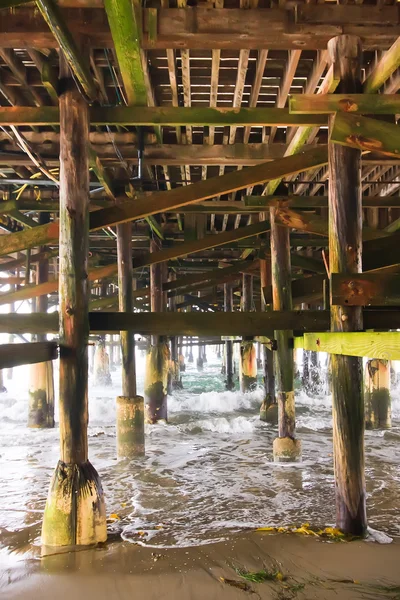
345	245
75	509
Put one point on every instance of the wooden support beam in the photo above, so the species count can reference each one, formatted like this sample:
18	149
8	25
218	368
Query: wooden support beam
286	448
345	246
383	69
14	355
383	345
68	505
307	26
319	104
194	324
165	201
76	59
124	18
161	116
366	289
365	134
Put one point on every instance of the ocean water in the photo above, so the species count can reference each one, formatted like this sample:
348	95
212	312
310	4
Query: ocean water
206	474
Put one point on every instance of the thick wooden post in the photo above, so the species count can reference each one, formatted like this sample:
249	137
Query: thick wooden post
378	409
286	447
228	302
248	358
130	406
269	406
75	510
158	356
345	244
41	385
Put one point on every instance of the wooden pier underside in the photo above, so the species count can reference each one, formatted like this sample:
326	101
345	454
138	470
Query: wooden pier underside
204	133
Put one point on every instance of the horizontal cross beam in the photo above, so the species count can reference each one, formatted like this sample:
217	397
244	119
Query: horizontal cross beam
319	104
383	345
14	355
163	116
197	324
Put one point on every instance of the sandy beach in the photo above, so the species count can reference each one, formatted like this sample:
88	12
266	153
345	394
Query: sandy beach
294	567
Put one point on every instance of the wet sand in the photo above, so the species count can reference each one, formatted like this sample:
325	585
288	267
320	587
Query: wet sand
310	568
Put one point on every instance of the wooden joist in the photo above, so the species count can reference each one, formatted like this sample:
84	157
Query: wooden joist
308	26
319	104
14	355
365	134
383	345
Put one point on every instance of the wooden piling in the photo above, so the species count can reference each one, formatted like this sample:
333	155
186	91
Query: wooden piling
101	368
269	407
75	510
248	358
286	447
345	244
41	380
228	306
158	356
130	406
378	410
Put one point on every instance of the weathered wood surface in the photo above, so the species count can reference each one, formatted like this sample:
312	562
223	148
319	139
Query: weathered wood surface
379	104
365	134
194	324
383	345
282	300
307	26
73	273
366	289
125	304
124	18
14	355
345	246
163	116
